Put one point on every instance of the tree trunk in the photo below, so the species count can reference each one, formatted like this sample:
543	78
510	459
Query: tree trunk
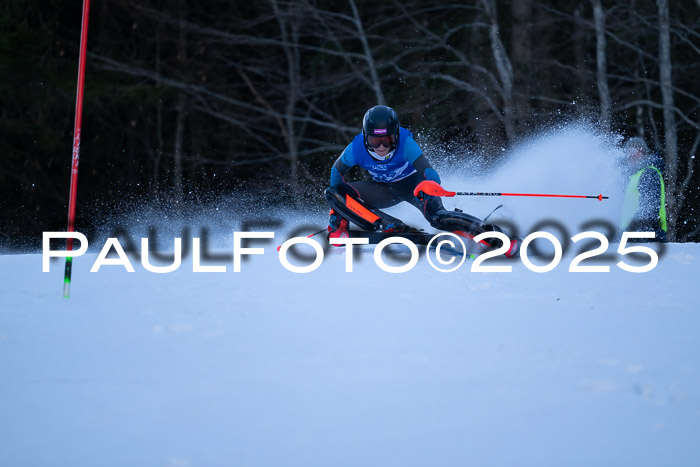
177	154
521	56
579	46
602	67
291	51
671	145
181	111
158	153
504	68
640	122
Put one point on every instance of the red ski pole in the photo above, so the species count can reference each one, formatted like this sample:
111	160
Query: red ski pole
76	145
431	188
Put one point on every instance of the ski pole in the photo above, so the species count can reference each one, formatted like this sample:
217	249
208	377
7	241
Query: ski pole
308	236
431	188
76	145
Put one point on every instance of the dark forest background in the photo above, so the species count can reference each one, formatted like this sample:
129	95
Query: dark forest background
184	99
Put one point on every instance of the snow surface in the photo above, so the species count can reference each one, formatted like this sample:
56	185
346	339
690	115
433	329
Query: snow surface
270	368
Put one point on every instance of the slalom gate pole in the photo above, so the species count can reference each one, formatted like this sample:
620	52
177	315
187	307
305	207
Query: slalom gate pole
76	145
431	188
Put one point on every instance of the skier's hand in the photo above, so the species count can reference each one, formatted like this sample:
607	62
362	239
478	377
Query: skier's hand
429	187
420	195
428	174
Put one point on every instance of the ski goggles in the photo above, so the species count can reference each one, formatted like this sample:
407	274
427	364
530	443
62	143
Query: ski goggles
389	141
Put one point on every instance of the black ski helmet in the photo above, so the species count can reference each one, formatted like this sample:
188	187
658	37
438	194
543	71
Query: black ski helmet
380	120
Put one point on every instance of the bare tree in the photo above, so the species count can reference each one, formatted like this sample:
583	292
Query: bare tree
602	67
670	137
521	56
284	77
181	110
289	31
503	66
376	85
462	65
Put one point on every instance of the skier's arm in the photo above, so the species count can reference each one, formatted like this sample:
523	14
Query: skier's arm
424	168
415	156
341	166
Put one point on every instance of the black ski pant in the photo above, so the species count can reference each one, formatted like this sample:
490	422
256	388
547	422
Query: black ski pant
361	203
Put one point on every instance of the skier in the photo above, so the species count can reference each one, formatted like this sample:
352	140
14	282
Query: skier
643	208
397	164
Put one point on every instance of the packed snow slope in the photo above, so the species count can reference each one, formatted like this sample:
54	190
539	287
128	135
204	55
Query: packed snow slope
266	367
272	368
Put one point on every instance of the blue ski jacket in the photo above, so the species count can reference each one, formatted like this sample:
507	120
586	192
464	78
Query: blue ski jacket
400	166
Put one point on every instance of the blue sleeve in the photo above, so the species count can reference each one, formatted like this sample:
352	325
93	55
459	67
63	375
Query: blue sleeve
431	174
347	157
336	177
344	163
411	151
423	167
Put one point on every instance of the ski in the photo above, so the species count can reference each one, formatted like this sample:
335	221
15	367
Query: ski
418	238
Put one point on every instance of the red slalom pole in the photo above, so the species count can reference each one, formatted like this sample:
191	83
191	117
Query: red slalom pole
431	188
76	145
279	247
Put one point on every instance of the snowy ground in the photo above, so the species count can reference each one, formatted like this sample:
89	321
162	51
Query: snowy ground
270	368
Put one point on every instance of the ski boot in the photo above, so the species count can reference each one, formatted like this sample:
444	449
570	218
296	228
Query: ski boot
492	242
515	242
514	250
337	227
